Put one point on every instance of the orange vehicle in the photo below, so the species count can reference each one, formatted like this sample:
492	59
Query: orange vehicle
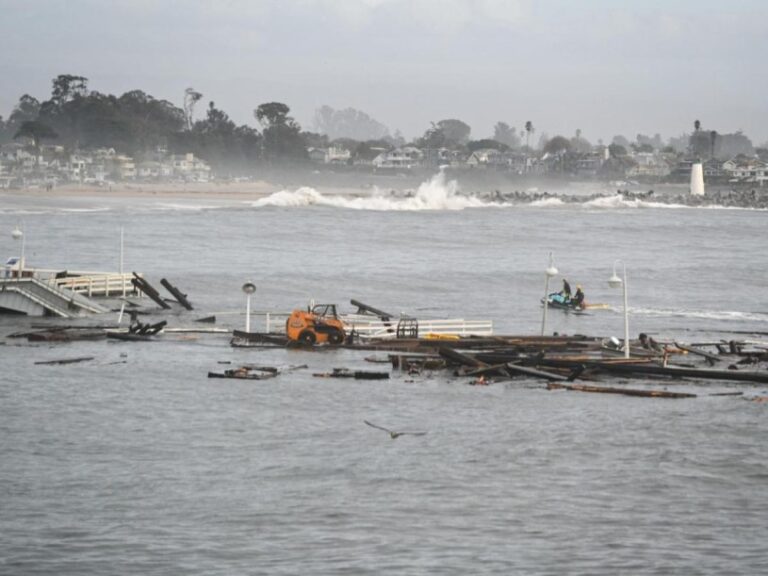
316	325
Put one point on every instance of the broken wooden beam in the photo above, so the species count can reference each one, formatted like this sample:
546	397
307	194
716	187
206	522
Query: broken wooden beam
180	297
145	287
517	369
625	391
459	358
64	361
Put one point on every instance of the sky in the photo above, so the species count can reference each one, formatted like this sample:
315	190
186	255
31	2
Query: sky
604	67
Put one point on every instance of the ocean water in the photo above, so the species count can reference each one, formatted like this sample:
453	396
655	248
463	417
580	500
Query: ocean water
136	463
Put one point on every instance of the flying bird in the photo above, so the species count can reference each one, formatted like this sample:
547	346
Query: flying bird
392	433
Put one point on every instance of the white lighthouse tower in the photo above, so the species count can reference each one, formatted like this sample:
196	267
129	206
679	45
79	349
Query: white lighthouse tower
697	179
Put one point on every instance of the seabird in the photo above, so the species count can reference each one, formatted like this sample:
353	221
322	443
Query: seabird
392	433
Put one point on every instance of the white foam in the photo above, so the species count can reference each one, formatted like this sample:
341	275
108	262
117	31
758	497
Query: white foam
85	210
544	202
435	194
703	314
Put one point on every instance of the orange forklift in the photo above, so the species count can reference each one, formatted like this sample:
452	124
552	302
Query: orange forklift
316	325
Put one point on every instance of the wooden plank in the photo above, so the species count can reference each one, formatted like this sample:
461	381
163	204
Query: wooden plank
624	391
516	369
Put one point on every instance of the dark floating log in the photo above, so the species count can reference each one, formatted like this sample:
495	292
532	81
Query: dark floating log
207	319
245	375
145	287
625	391
356	374
180	297
64	361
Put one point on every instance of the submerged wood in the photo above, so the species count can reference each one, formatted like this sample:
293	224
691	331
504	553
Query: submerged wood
625	391
65	361
242	375
459	358
65	335
145	287
180	297
356	374
514	369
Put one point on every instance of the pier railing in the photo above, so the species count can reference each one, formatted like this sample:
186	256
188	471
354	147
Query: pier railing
372	327
97	284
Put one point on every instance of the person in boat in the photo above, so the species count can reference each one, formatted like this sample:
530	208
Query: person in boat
578	299
566	291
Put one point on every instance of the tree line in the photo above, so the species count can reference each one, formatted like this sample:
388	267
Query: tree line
137	124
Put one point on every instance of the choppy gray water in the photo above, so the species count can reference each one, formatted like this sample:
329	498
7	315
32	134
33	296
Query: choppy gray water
148	467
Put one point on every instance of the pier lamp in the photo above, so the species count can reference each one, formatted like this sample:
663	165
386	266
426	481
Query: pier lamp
249	288
18	234
550	272
615	282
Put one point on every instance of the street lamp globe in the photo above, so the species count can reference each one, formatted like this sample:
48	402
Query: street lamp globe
17	234
249	288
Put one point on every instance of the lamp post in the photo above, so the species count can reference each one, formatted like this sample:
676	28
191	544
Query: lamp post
249	288
550	272
615	282
18	234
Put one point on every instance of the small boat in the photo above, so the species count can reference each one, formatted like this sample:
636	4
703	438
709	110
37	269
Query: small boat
559	301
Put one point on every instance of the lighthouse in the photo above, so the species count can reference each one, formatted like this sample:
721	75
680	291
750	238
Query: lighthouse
697	179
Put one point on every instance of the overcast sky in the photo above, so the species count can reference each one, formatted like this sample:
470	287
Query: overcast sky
605	67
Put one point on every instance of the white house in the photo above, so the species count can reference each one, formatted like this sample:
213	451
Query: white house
743	169
406	157
189	168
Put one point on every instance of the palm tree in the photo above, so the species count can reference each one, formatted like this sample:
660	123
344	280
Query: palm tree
528	129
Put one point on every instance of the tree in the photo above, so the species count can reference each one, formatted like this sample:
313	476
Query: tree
529	129
620	141
433	138
348	123
272	114
282	134
36	131
486	144
579	144
28	108
617	150
191	97
557	145
696	125
505	134
456	132
712	140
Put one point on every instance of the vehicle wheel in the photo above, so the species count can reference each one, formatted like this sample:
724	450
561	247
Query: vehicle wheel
307	337
336	337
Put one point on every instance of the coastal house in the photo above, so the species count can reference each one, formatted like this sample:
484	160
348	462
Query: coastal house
746	169
338	156
648	165
190	168
318	155
154	170
407	157
485	157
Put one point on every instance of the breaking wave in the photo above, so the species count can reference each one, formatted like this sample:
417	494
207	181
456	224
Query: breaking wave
435	194
703	314
618	201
